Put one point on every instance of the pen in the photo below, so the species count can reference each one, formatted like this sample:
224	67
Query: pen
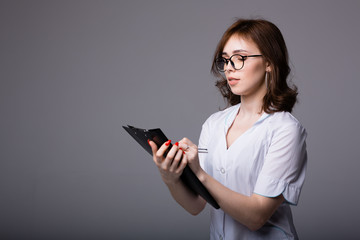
202	150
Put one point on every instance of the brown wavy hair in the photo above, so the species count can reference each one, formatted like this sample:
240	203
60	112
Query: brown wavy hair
269	40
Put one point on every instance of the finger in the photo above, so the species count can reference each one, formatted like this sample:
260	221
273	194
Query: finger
182	165
160	153
175	162
184	147
170	156
153	147
154	150
186	144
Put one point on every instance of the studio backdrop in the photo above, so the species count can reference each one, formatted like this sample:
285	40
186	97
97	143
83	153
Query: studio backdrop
72	73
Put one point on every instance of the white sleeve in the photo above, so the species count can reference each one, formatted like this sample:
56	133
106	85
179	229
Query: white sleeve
285	163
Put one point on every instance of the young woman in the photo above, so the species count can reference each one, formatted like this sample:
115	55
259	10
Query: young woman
256	160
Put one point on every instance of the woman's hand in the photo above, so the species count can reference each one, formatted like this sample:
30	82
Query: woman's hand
171	166
191	153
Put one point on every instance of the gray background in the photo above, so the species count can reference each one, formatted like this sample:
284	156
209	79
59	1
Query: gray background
73	72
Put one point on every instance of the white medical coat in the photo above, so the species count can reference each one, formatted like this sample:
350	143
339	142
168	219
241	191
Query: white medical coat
268	159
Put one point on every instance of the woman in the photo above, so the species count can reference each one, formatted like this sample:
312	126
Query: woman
256	160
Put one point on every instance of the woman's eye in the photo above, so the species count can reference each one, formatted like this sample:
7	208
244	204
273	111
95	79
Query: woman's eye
238	58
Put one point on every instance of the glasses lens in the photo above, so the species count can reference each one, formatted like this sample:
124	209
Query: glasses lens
238	61
220	64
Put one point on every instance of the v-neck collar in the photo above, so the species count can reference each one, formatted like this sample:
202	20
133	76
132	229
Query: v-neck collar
230	118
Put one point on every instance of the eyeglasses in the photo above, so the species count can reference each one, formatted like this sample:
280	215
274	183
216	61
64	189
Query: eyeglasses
236	60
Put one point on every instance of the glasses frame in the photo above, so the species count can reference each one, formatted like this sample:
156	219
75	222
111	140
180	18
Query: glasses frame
227	60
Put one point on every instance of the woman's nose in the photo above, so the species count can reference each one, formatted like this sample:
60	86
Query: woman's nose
229	66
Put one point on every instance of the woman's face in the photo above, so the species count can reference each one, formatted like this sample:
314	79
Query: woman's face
250	80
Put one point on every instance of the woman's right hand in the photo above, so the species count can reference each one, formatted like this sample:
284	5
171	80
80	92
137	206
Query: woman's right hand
171	166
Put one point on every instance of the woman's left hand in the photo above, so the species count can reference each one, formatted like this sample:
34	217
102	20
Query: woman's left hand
191	153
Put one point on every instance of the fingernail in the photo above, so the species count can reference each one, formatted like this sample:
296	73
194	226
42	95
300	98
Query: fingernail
183	152
180	148
176	144
149	141
168	143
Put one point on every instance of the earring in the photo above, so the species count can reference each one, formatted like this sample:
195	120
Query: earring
266	80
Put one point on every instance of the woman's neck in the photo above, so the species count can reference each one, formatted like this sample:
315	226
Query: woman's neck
252	105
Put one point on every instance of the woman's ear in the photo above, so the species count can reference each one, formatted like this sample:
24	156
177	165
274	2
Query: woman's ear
268	67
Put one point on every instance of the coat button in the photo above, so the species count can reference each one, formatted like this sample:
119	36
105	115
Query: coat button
222	170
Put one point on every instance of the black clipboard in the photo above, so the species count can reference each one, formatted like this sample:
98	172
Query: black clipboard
188	177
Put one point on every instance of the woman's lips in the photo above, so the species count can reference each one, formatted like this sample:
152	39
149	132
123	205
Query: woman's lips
233	81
